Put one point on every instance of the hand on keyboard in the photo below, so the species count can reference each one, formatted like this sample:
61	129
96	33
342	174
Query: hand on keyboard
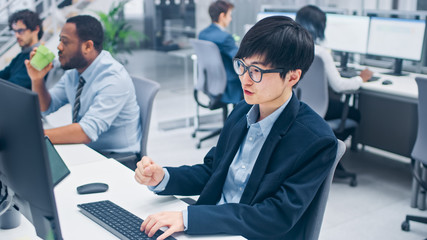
119	221
172	220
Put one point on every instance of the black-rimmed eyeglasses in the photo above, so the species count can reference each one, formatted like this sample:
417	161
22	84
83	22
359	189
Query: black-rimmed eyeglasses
254	72
19	31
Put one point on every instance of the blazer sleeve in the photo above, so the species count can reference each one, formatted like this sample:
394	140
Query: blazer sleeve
5	73
277	214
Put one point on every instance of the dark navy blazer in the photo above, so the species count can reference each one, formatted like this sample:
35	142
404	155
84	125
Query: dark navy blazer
228	49
294	161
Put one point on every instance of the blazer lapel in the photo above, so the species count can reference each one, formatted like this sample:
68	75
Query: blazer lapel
279	129
213	189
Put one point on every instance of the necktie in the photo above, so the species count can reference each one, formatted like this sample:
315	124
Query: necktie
77	100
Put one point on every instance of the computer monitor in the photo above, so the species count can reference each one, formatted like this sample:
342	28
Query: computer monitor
24	165
262	15
346	34
397	38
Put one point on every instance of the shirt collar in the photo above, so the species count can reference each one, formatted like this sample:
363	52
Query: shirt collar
267	123
88	72
30	48
220	27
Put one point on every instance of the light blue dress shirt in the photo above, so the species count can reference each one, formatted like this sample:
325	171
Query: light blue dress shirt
109	113
241	168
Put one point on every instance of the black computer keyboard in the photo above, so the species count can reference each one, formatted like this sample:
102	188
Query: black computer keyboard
117	220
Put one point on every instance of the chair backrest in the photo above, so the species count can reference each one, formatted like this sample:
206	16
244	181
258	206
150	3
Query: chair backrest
419	151
313	87
145	90
316	210
211	78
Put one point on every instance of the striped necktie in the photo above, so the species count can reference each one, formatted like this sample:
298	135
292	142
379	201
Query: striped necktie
77	100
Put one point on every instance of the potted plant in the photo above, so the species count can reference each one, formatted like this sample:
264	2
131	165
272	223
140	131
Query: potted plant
118	34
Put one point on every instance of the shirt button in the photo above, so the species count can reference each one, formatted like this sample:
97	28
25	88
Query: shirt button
243	166
240	189
250	138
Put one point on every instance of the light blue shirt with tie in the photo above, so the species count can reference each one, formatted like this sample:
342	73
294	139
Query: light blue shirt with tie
241	168
109	113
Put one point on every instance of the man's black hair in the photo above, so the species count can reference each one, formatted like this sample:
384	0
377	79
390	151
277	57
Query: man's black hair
313	19
218	7
281	42
88	28
29	18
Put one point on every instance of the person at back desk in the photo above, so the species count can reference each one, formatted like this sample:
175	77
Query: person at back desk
314	20
28	30
273	153
104	109
220	13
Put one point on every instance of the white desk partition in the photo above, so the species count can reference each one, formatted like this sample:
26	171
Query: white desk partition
123	190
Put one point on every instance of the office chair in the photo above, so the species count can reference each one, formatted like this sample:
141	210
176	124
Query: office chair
145	91
211	81
313	90
419	158
317	207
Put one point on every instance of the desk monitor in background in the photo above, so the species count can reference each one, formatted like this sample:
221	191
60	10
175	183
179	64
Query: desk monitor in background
346	34
24	166
397	38
262	15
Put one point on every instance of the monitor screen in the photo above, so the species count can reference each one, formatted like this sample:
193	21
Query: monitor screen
24	165
347	33
57	166
396	38
262	15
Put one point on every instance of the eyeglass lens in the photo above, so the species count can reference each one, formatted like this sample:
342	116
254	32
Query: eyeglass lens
19	31
254	72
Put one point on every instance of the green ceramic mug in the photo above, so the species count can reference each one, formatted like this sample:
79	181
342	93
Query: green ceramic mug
42	58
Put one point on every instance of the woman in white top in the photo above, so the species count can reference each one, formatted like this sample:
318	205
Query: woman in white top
314	20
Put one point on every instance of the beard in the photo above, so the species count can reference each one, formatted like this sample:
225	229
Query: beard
76	61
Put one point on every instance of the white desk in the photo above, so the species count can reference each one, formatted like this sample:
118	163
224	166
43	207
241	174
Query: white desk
388	113
123	190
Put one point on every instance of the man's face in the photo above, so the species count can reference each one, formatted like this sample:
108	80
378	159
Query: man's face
227	18
24	36
270	92
70	48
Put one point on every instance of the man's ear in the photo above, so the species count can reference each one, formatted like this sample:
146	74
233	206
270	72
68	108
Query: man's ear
294	76
87	46
221	16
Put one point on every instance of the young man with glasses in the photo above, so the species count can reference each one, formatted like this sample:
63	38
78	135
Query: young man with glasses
28	30
271	158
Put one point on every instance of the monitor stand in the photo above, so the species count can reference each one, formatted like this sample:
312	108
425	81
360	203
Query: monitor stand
345	71
397	70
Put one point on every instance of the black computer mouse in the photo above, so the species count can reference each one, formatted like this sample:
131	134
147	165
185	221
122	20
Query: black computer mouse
387	82
92	188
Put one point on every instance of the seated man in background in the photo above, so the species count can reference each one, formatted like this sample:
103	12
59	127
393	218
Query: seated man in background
271	158
220	13
28	30
104	109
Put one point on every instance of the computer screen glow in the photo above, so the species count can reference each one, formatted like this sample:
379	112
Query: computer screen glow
347	33
397	38
262	15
